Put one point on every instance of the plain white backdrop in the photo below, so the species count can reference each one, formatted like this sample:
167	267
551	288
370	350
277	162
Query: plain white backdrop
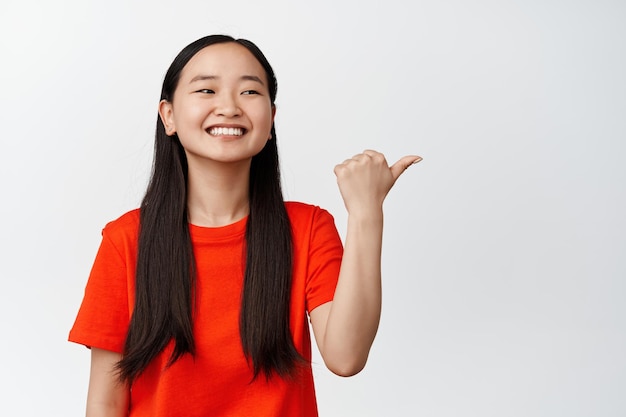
504	249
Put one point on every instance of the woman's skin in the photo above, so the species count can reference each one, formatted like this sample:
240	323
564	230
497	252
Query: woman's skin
106	396
224	86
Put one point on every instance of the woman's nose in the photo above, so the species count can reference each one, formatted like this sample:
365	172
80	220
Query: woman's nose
227	106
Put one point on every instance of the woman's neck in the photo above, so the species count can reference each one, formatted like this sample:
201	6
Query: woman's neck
218	196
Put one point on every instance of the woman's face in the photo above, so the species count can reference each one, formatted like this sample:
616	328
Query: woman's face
221	109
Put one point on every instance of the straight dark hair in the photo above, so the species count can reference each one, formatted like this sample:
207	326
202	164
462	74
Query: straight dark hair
166	270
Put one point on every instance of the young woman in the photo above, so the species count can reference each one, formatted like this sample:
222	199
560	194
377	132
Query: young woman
198	302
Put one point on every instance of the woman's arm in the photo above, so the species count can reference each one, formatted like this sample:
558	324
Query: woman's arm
345	327
107	396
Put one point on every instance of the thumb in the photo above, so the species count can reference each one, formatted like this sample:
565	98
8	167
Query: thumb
402	164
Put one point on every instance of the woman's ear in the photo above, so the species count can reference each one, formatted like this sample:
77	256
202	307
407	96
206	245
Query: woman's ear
273	115
166	113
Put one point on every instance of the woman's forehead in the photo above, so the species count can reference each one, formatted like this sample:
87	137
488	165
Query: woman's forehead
223	60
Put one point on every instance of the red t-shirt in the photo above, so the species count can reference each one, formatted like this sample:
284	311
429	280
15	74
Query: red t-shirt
216	381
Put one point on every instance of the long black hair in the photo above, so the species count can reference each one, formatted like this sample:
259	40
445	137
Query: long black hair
166	270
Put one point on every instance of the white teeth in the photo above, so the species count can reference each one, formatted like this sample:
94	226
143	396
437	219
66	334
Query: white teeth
226	131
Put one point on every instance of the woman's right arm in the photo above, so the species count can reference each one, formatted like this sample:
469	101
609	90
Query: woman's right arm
107	396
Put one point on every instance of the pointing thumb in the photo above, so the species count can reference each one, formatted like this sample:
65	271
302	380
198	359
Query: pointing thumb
402	164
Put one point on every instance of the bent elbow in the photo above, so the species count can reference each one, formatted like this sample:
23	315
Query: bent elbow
347	368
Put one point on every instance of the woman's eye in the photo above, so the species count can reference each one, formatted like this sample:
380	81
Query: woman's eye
206	91
247	92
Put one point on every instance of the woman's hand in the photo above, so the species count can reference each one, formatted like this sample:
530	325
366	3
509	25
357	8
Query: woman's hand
365	179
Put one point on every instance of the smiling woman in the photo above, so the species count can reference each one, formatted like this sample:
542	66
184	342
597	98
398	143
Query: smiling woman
205	291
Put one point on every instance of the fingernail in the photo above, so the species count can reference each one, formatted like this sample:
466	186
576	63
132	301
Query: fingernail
419	158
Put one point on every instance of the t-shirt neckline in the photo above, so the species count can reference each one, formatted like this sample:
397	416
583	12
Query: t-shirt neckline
235	229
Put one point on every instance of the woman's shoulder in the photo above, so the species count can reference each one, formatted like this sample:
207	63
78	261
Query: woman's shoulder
312	227
305	213
127	222
300	209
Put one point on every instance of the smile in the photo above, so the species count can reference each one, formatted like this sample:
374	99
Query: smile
226	131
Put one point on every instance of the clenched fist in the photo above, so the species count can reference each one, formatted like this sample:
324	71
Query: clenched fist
365	179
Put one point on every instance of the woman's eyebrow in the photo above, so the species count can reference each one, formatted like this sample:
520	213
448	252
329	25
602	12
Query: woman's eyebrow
215	77
202	78
252	78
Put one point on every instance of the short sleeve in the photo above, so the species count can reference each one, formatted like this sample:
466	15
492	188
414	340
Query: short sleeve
324	260
103	317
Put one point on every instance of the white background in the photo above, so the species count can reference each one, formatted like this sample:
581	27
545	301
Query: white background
505	250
